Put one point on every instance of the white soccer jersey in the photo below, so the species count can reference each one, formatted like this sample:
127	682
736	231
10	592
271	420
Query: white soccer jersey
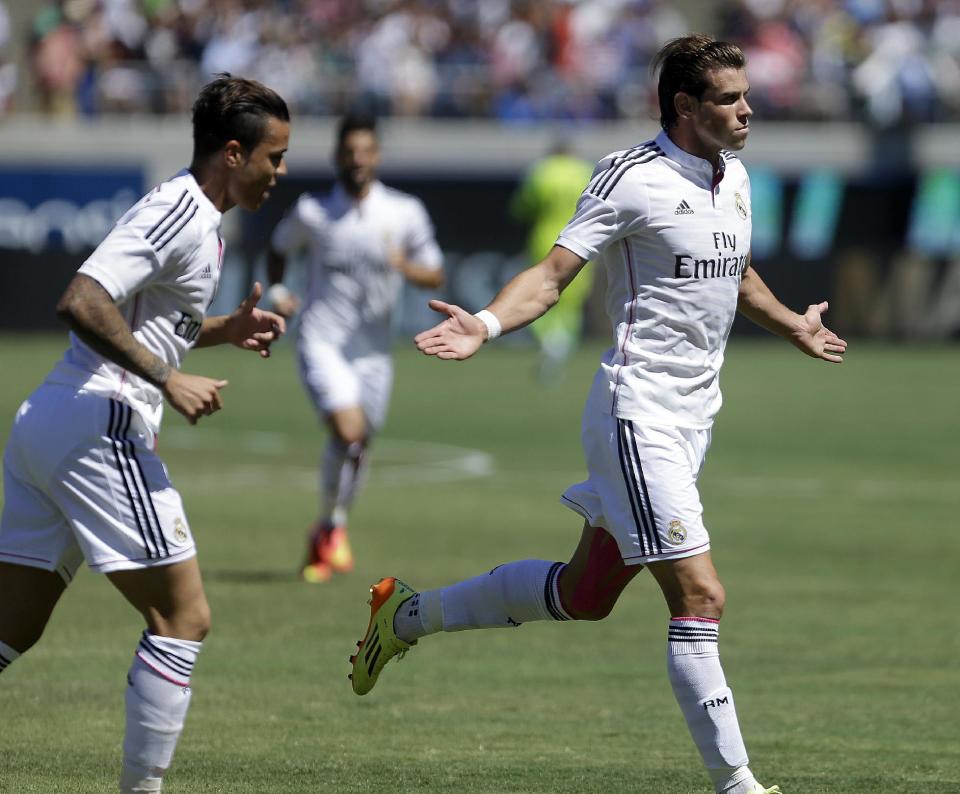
675	242
352	286
161	265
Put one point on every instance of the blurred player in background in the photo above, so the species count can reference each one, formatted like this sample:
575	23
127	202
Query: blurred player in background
670	222
545	199
82	479
364	240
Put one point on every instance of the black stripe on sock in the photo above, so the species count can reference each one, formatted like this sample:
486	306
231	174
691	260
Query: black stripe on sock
170	659
548	599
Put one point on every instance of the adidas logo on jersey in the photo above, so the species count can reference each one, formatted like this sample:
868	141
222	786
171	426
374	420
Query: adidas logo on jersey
206	272
683	209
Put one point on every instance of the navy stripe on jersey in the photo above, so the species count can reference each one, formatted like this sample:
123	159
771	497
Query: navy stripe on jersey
166	661
171	223
727	155
597	182
181	202
555	610
174	232
637	490
120	416
608	181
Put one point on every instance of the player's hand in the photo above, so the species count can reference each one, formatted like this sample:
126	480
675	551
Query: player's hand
458	337
815	339
286	305
251	328
193	395
395	258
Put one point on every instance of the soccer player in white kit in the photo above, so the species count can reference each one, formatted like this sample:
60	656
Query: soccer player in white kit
670	221
364	240
82	479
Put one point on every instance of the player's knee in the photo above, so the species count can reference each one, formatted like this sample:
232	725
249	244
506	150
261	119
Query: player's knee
585	603
585	609
350	436
704	599
191	623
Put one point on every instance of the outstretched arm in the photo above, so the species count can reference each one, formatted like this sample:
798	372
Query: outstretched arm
805	331
525	297
417	274
248	327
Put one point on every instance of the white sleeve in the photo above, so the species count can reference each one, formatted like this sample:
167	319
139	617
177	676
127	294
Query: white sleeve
598	222
420	243
149	241
291	233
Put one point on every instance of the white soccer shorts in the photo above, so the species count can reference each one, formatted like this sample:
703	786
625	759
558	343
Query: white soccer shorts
82	481
337	379
642	487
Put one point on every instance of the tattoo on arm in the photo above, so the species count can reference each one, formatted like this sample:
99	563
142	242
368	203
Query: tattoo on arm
93	316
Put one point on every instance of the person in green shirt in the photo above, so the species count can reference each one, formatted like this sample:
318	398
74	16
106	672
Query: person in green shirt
545	199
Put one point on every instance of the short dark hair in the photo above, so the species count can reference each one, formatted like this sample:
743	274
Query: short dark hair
353	122
233	108
683	65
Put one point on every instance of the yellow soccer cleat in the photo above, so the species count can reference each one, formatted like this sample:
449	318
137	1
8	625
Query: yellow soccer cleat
380	644
316	569
761	790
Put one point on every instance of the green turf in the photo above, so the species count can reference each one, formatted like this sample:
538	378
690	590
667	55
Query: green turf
830	492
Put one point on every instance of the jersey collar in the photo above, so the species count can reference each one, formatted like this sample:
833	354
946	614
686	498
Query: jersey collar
702	168
345	199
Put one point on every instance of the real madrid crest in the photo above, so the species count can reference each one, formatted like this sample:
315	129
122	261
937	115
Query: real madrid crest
677	532
179	531
741	205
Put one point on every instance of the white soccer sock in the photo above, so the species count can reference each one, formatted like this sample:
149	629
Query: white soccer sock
342	473
7	656
508	595
693	662
157	700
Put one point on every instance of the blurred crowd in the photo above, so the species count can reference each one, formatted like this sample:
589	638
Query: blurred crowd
887	62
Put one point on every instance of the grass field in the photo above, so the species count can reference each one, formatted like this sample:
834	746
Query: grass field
831	494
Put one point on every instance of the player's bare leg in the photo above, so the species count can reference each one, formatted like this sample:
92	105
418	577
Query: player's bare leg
596	575
27	598
328	549
695	597
174	606
507	596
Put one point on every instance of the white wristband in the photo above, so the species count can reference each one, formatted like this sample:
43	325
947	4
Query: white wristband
277	292
490	320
